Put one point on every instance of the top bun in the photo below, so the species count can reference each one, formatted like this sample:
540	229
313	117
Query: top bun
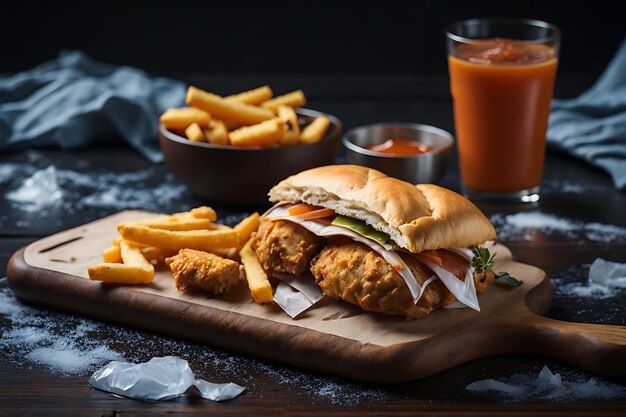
417	217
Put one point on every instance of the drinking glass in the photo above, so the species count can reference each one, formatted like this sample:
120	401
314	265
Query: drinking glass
501	79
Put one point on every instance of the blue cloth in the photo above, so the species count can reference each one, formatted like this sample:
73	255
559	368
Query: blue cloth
592	126
75	102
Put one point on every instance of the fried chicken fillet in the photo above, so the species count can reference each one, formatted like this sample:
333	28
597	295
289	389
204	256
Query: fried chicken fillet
205	270
351	271
286	248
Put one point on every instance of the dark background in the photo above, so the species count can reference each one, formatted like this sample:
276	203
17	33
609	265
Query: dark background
183	37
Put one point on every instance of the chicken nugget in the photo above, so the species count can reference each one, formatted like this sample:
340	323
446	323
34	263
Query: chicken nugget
194	268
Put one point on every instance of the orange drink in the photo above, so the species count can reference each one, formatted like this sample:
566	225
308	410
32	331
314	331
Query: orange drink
502	88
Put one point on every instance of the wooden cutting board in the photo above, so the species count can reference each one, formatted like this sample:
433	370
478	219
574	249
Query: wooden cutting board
332	337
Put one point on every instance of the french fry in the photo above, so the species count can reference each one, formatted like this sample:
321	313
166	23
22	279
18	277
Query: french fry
132	255
315	131
199	216
204	212
217	133
263	134
292	128
206	240
259	284
118	241
255	97
121	273
152	254
156	255
182	118
293	99
194	133
112	254
219	108
247	226
175	223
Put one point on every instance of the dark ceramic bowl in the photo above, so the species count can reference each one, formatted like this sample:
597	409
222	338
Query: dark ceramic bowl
239	176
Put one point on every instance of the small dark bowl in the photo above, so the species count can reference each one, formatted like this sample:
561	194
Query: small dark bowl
240	176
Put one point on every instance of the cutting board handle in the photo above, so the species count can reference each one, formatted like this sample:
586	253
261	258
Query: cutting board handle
596	347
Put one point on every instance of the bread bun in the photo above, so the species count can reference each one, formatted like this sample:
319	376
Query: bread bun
417	217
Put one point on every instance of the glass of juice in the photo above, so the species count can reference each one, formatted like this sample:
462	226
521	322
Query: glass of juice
501	79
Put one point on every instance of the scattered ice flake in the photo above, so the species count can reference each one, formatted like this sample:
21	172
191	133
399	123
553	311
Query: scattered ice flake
548	386
65	357
590	289
539	220
522	226
338	392
33	155
605	279
493	385
577	298
38	191
607	233
8	303
37	195
611	274
123	198
7	172
62	346
574	188
124	190
547	375
562	186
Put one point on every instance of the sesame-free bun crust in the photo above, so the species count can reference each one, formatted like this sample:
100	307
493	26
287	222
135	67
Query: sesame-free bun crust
417	217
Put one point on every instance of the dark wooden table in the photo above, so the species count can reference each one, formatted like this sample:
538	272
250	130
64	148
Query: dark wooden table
572	189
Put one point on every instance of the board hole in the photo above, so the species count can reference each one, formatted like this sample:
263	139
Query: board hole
58	245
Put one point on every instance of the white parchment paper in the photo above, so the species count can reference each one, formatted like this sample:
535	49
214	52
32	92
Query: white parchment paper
296	294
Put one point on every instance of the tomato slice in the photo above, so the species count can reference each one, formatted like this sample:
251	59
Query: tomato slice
432	256
309	212
453	263
450	261
301	209
317	214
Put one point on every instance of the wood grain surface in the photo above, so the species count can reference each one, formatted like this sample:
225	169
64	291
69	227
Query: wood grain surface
333	337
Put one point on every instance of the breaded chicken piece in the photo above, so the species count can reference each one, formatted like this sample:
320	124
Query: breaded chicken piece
285	247
351	271
204	270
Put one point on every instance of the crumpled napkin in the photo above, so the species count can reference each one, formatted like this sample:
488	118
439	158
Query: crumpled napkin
592	126
158	379
75	102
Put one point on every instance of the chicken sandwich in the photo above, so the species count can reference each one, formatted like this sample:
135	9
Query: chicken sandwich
377	242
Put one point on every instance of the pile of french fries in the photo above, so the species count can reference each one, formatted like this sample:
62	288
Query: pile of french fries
252	118
144	244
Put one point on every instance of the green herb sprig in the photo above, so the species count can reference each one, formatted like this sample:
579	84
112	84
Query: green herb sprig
483	261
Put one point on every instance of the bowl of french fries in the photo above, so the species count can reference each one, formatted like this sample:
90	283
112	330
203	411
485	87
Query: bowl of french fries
231	150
